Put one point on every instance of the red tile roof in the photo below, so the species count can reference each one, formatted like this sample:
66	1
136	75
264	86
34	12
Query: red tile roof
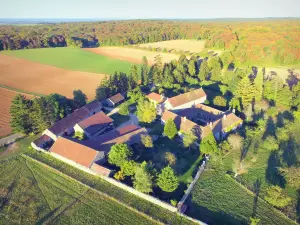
100	170
93	105
41	140
74	151
95	122
69	121
155	97
130	133
116	98
186	97
182	123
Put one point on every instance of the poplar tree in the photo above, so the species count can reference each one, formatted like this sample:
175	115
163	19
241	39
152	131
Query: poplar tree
258	82
204	70
246	91
145	71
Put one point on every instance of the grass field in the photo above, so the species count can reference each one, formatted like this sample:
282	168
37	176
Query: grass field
33	194
6	96
219	199
178	45
73	59
97	183
132	55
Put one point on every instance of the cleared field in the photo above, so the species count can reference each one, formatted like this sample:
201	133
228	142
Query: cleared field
33	194
6	97
283	72
178	45
73	59
219	199
39	78
132	55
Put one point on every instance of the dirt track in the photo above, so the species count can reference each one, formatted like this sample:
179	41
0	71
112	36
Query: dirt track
39	78
132	55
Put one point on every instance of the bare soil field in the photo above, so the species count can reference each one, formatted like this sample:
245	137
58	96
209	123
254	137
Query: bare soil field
177	45
132	55
44	79
6	96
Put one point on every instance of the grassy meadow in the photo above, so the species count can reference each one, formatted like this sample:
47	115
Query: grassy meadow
73	59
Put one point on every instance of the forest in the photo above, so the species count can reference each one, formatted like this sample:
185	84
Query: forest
244	43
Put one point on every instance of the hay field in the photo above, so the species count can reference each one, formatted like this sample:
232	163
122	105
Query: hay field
39	78
178	45
6	96
283	72
132	55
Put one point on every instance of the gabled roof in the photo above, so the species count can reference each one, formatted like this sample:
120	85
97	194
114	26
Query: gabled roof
186	97
74	151
222	124
69	121
41	140
95	122
182	123
155	97
93	105
122	135
116	98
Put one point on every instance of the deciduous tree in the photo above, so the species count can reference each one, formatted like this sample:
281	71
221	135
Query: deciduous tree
146	111
276	197
79	98
189	138
143	179
119	154
170	129
147	141
208	145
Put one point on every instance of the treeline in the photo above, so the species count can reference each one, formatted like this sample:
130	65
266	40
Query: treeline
257	43
34	116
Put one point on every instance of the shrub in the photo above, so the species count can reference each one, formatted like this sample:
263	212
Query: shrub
276	198
170	158
124	109
220	101
167	180
173	202
79	135
147	141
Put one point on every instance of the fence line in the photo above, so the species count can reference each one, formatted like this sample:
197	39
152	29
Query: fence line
191	186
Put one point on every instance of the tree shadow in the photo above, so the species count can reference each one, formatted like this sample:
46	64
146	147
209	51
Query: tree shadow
273	175
256	187
298	206
289	152
210	217
270	128
292	79
47	216
259	115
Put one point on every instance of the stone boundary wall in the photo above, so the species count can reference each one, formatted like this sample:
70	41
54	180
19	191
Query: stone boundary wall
120	185
191	186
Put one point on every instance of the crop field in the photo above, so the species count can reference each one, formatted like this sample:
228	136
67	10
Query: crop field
132	55
178	45
44	79
218	199
6	97
73	59
33	194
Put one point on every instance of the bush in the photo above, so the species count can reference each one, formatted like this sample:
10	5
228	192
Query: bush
220	101
173	202
124	109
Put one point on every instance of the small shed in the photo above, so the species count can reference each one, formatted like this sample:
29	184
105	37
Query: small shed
115	100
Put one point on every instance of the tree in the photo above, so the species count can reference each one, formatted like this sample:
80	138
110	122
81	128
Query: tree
134	74
124	109
258	83
145	71
192	68
79	98
215	68
20	114
167	180
157	70
220	101
143	179
128	168
119	154
79	135
146	111
147	141
235	141
170	158
292	175
189	138
204	70
276	197
208	145
170	129
270	143
246	91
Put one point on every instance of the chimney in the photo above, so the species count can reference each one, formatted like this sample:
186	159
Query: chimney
224	116
184	118
210	124
233	110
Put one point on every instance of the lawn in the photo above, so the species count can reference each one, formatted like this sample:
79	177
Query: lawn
119	119
33	194
73	59
219	199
